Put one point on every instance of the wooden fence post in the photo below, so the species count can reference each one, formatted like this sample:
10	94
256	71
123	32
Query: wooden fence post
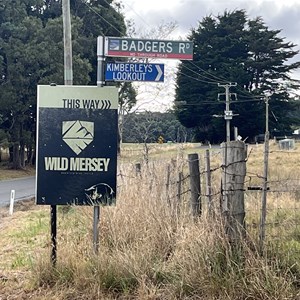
233	176
208	181
262	231
138	169
168	185
195	184
179	188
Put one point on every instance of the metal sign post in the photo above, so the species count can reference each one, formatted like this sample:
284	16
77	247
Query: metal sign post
100	61
100	83
53	222
128	47
96	219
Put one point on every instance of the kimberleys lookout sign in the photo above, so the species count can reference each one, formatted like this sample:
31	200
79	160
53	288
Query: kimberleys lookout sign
128	47
77	145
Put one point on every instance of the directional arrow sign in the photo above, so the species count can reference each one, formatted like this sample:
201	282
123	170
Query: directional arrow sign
121	71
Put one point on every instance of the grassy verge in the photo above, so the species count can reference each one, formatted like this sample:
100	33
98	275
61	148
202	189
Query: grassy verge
148	250
7	173
155	257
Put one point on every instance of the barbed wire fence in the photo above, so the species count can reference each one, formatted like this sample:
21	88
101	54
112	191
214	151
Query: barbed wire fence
194	183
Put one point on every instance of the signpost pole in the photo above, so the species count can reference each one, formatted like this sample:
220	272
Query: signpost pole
53	234
96	229
68	78
100	61
100	83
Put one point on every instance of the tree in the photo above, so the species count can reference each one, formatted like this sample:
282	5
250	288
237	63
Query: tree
148	126
18	33
231	48
31	53
127	99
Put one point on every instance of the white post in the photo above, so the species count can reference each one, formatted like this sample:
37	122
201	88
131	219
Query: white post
12	200
100	61
236	133
68	64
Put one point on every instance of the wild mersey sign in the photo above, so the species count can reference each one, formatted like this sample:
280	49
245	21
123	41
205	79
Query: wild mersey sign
128	47
77	145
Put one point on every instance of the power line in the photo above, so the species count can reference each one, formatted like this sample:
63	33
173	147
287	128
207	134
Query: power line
198	74
143	20
218	79
201	103
249	96
197	79
249	100
93	10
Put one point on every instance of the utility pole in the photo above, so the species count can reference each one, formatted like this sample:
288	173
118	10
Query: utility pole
68	80
68	69
227	113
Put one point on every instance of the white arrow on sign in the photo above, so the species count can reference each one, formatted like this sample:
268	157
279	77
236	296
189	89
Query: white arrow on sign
159	72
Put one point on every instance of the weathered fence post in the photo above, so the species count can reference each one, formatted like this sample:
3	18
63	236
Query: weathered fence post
195	184
179	188
262	232
138	169
168	184
233	175
208	181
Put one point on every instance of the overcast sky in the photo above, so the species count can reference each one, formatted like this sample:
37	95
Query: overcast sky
277	14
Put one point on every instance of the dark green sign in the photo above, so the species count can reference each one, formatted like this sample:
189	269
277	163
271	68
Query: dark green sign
77	145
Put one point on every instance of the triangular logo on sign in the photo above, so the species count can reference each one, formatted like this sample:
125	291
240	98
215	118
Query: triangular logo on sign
77	134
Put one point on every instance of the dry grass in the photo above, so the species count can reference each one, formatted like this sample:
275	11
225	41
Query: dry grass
147	249
137	152
7	173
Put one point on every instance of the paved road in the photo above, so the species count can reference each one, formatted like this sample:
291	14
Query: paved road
24	188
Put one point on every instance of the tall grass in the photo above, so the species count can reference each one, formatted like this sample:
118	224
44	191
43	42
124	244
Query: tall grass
151	250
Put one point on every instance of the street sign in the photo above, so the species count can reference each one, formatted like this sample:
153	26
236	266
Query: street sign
77	145
122	71
128	47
